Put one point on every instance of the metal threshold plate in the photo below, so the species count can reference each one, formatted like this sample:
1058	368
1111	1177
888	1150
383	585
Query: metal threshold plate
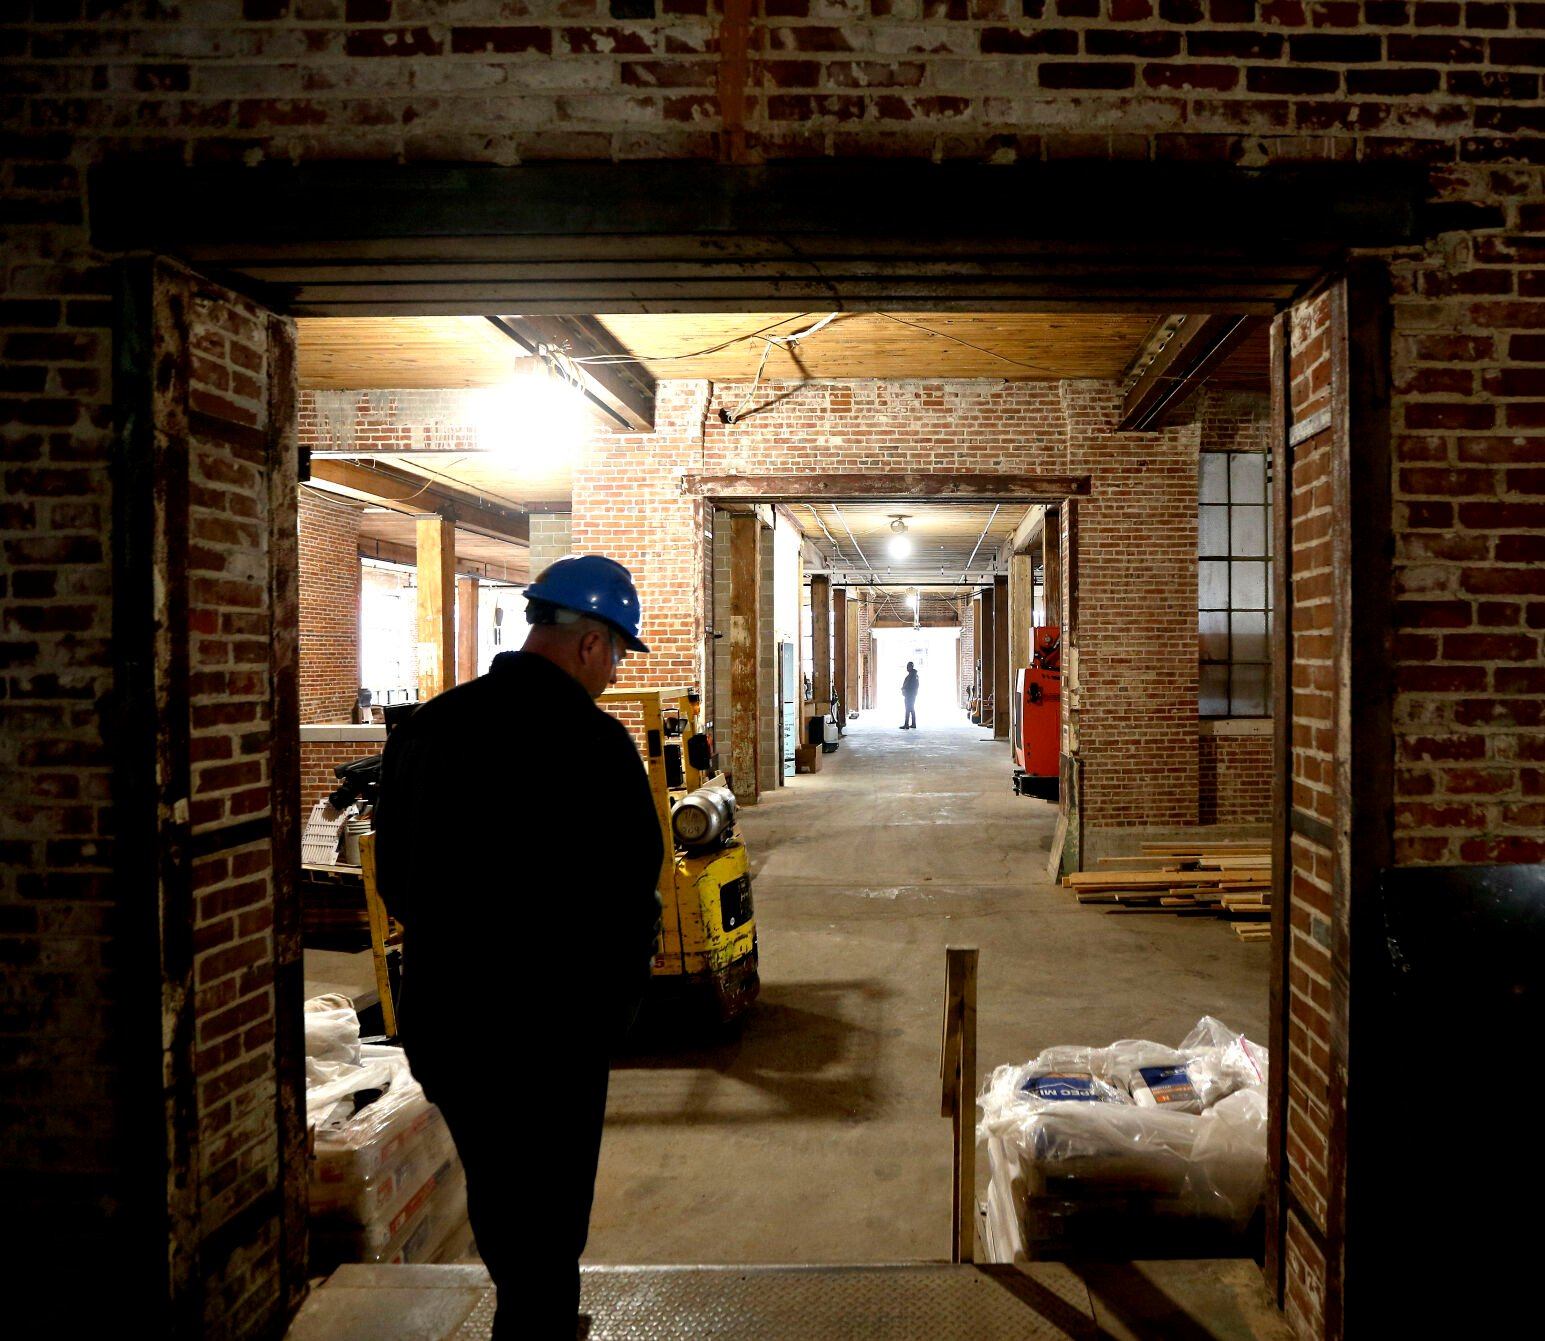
834	1303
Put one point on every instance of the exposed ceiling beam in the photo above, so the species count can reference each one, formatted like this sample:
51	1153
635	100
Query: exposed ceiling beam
623	392
886	488
412	494
1190	355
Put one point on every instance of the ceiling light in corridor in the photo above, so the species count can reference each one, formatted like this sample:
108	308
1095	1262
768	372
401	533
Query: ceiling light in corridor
900	543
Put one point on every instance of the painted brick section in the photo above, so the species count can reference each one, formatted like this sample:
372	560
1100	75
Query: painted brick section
1234	779
407	420
329	607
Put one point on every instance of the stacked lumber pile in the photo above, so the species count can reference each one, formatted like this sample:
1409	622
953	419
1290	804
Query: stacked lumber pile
1231	880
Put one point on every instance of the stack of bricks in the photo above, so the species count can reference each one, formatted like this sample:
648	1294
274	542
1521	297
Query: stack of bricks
329	607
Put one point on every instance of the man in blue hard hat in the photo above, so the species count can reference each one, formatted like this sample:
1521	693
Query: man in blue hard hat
518	844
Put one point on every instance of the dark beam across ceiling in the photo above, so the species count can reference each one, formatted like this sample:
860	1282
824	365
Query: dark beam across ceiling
1199	344
403	491
877	488
623	392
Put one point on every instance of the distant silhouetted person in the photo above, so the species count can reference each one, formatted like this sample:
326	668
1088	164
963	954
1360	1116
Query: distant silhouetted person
909	697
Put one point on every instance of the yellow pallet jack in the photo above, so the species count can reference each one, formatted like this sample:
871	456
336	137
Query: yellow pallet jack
707	945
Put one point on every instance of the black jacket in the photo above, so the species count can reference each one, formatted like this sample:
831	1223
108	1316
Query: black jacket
909	686
517	842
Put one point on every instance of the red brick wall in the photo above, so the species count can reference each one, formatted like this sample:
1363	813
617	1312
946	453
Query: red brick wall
1314	743
329	608
231	703
1233	779
317	760
412	419
1469	487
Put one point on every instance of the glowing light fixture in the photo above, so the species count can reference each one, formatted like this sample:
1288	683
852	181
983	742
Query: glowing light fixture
900	544
536	414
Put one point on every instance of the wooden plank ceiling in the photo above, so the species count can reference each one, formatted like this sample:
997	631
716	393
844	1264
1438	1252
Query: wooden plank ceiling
1019	346
855	539
347	353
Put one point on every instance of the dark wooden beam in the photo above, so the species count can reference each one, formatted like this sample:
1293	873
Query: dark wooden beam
1000	657
623	392
821	639
355	238
745	657
403	491
1183	363
881	488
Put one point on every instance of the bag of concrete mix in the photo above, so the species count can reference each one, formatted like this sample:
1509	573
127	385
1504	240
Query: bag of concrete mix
1124	1149
1154	1075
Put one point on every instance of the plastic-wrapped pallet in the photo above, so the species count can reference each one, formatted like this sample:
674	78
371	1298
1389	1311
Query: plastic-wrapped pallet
386	1183
1162	1158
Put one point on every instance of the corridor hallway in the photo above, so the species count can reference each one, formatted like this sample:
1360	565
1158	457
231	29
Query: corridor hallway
815	1136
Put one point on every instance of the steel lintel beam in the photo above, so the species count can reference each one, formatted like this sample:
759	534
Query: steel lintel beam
1200	343
885	488
403	491
623	392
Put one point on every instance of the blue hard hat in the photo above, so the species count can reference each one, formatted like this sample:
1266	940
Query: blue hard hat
593	585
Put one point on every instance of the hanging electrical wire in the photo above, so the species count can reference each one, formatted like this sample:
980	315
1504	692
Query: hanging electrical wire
702	353
980	349
966	575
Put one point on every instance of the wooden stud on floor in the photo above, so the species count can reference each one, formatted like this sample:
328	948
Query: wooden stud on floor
957	1072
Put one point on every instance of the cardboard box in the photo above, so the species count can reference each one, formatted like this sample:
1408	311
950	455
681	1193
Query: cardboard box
807	758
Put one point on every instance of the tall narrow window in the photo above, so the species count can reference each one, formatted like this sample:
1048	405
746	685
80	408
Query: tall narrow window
1234	585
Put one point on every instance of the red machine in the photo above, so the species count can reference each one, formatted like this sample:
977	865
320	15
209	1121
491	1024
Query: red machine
1036	723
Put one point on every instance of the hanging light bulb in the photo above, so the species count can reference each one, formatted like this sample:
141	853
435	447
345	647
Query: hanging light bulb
900	543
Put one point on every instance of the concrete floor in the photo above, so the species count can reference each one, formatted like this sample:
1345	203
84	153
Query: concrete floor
815	1137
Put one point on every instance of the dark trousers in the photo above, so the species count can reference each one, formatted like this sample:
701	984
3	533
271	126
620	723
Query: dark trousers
911	717
530	1183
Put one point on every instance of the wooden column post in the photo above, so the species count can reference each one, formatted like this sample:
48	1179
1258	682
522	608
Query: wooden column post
840	646
821	640
1002	687
850	686
745	661
1021	611
436	605
984	651
466	629
873	682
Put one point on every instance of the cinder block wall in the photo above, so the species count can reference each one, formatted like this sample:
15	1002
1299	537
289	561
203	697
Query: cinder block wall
1450	87
329	607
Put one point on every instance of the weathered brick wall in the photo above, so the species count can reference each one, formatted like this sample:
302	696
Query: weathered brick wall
1314	739
401	420
1234	779
1136	627
329	607
1469	486
231	705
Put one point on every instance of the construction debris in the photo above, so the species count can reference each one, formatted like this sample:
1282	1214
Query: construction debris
1231	880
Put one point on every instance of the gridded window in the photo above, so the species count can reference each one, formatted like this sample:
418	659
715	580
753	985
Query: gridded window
1234	585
